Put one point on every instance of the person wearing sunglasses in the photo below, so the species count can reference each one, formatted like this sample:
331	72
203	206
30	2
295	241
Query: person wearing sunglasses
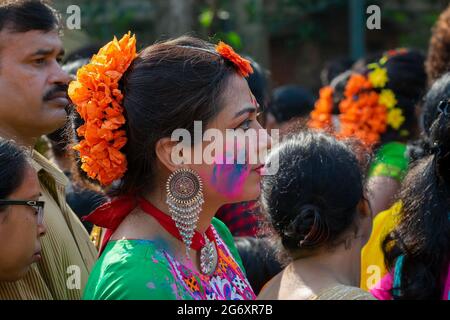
21	213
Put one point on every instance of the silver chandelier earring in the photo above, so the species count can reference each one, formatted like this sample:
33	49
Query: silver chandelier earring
185	199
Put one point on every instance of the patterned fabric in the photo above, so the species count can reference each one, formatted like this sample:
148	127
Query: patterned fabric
144	269
226	283
342	292
241	218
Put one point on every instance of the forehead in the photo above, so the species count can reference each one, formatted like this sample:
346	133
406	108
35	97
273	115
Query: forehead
22	44
237	94
30	184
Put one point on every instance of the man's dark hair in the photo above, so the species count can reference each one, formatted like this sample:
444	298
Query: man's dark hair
27	15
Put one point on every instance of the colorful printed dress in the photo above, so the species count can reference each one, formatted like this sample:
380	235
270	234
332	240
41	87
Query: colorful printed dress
142	270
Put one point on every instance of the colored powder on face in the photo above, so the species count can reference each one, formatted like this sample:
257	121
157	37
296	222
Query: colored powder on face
229	177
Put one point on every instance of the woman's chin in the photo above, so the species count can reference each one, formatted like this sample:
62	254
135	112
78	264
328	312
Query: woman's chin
249	194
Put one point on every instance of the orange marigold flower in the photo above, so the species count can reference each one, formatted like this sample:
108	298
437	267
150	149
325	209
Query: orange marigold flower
242	65
356	84
320	117
361	114
98	99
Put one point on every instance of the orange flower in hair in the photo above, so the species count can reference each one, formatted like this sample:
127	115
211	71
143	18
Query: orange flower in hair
320	117
242	65
98	100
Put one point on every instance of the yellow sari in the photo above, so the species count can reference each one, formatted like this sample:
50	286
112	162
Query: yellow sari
372	258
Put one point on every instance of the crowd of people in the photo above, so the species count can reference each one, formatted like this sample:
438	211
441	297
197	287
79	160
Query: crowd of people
99	202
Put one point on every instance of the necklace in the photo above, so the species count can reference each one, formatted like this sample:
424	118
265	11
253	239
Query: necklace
200	242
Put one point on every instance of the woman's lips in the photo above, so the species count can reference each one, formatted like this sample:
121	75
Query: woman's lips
37	255
259	169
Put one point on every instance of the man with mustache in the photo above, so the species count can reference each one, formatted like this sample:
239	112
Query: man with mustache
33	103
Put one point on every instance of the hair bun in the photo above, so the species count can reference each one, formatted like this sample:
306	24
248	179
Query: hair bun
308	227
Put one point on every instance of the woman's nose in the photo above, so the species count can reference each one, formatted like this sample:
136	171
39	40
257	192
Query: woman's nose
264	145
42	229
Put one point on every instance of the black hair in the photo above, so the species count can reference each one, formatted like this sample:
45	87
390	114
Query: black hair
258	83
13	161
407	78
439	91
28	15
422	235
290	101
312	200
335	67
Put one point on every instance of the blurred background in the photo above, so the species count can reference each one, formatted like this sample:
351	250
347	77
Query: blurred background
291	39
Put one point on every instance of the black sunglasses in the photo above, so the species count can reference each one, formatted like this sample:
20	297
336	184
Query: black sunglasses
36	205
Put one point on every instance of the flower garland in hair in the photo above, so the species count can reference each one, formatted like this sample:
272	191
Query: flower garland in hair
320	117
242	65
98	100
367	107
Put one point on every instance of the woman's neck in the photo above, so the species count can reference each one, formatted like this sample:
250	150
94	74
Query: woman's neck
339	266
158	199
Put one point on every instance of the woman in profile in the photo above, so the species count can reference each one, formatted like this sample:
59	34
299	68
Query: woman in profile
162	239
21	213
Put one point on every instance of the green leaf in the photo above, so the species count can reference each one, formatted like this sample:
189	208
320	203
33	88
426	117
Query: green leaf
205	18
234	40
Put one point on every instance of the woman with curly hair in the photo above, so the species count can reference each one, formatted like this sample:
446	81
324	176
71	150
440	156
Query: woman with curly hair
438	59
417	251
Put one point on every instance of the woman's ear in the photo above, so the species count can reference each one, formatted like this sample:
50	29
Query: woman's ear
170	153
364	209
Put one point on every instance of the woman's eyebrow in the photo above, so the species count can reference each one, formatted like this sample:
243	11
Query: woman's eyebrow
245	110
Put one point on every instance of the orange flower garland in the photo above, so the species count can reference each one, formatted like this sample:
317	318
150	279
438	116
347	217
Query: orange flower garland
97	97
361	114
320	117
242	65
368	107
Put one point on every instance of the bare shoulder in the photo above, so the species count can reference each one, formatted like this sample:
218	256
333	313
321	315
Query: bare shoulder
285	286
271	289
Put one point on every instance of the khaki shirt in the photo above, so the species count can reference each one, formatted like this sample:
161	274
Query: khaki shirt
68	254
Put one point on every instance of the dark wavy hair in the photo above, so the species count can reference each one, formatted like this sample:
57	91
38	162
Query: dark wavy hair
422	235
312	200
